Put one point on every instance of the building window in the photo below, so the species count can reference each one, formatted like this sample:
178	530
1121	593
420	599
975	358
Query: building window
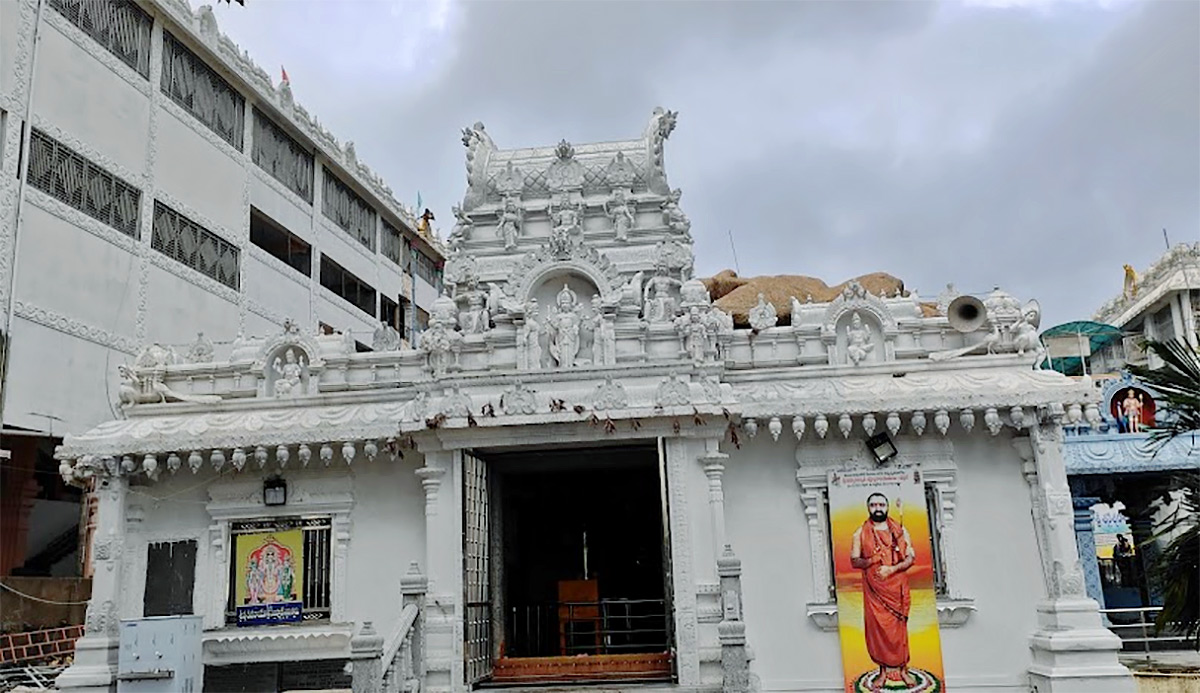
391	313
282	157
280	243
421	322
182	239
341	282
170	578
65	175
202	92
426	268
1164	324
118	25
316	560
345	208
391	244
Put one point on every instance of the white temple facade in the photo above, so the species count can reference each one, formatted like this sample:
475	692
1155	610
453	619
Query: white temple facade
581	437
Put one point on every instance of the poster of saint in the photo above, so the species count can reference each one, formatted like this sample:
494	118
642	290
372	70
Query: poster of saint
270	577
883	563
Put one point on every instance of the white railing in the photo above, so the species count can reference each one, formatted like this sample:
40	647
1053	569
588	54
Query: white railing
1136	625
402	654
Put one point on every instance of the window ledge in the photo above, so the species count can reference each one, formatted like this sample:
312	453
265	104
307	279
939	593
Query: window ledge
952	613
277	643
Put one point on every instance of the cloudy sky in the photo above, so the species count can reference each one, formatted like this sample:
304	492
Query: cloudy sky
1033	144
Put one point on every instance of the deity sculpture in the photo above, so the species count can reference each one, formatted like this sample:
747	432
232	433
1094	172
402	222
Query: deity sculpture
441	342
796	310
566	218
1131	409
462	228
386	338
696	335
619	210
475	319
287	371
1024	330
510	222
763	315
657	298
858	340
604	347
201	350
532	335
673	216
563	325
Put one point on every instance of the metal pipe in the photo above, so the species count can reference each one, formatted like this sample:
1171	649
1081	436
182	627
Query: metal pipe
23	174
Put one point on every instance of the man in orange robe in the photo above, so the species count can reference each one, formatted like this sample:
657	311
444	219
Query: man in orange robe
882	549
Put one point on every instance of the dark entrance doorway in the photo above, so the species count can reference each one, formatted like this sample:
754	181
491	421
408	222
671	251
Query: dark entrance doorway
580	566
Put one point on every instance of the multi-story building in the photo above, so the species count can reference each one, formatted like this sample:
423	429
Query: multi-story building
156	187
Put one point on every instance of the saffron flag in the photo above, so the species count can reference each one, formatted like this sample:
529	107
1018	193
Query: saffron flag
285	77
884	566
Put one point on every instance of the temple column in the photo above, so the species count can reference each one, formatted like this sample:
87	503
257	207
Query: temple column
1085	541
443	560
95	665
1072	650
713	461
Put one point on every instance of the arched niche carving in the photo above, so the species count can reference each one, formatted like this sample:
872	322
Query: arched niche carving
856	298
859	339
577	258
1131	405
284	375
528	285
568	316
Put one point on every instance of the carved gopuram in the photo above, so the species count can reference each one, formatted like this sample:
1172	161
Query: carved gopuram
583	472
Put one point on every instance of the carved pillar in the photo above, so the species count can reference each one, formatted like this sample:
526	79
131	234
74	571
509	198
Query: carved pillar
412	589
813	497
714	468
1085	540
1142	529
443	615
95	665
1072	651
366	650
431	481
731	631
946	493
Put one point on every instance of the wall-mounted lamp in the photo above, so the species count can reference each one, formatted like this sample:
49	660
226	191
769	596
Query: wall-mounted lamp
881	447
275	491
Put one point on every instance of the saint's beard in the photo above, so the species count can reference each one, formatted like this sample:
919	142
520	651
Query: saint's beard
879	516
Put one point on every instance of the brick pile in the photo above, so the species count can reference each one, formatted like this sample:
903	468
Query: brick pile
39	645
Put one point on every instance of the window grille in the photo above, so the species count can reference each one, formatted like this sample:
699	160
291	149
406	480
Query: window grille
62	173
118	25
281	156
317	558
391	244
345	208
425	268
202	92
343	283
182	239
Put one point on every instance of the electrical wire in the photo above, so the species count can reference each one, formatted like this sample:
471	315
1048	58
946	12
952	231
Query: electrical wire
19	593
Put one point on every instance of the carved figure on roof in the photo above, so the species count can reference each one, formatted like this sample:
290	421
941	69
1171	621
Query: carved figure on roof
565	172
604	348
563	325
697	341
386	338
673	215
511	220
675	256
1024	330
531	333
510	181
201	351
441	342
566	217
208	23
796	310
1131	283
659	298
859	341
619	211
620	172
463	226
476	134
475	319
763	315
663	122
288	371
460	271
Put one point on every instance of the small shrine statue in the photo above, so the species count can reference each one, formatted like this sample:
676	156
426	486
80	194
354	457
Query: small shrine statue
858	340
1131	409
462	228
563	325
475	319
658	297
510	222
673	216
695	333
201	351
532	335
565	218
618	209
287	372
1024	332
605	345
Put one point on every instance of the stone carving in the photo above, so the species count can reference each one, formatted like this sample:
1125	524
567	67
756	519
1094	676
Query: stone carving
441	342
475	319
566	219
697	341
566	172
463	226
510	221
386	338
518	399
101	618
288	371
673	217
620	172
563	325
510	181
675	256
672	391
1067	582
859	341
854	297
143	383
456	405
620	210
609	395
604	346
1025	330
531	334
763	316
659	296
201	351
461	270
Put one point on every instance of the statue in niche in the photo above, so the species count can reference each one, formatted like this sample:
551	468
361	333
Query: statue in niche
604	348
510	222
532	334
386	338
462	228
201	350
763	315
475	319
619	210
1131	408
287	373
563	325
696	335
658	298
859	342
673	216
566	218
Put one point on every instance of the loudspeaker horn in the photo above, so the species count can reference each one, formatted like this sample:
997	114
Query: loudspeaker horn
966	313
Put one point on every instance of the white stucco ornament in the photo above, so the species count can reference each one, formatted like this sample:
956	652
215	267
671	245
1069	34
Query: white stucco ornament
762	315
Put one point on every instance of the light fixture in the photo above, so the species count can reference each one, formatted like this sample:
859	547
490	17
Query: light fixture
274	491
881	447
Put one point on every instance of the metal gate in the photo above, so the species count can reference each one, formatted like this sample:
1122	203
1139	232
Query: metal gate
477	586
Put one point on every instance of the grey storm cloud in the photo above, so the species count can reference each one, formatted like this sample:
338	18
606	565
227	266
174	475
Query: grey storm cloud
1033	147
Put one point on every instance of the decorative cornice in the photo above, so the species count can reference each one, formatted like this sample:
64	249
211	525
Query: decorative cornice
238	645
1125	453
75	328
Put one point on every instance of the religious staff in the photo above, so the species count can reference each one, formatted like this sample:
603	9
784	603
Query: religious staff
882	549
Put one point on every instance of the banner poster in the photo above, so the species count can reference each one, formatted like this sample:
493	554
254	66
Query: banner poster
883	565
270	577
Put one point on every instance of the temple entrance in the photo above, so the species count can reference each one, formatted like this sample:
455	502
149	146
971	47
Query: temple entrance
578	566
